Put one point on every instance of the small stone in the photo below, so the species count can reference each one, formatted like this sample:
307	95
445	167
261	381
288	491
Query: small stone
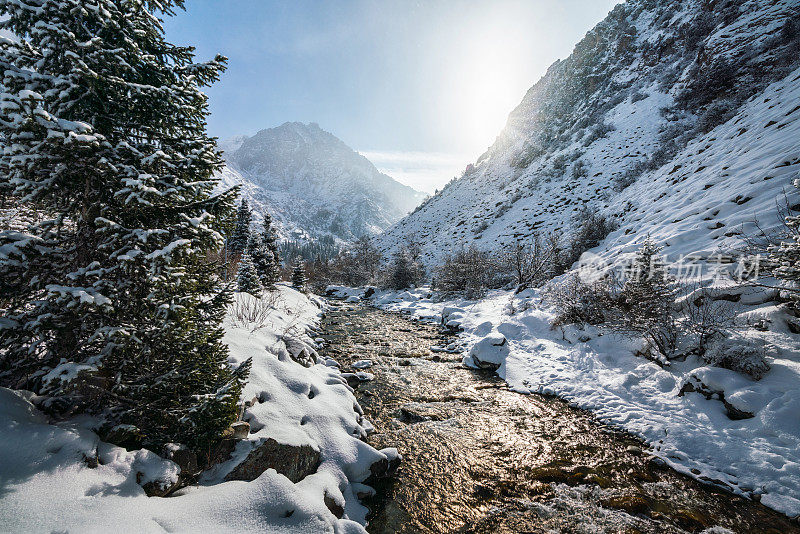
241	429
335	508
181	455
157	488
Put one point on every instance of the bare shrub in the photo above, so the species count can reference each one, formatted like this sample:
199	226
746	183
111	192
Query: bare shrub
532	262
467	271
705	317
579	302
252	313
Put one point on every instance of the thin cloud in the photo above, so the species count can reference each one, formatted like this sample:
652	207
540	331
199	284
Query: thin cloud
424	171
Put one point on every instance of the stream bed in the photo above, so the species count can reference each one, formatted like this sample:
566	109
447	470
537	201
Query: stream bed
478	457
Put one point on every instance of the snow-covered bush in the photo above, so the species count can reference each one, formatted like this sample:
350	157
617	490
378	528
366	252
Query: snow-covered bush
646	303
631	174
579	170
715	114
742	355
579	302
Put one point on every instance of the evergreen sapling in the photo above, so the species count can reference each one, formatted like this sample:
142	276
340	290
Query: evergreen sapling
247	276
299	279
241	232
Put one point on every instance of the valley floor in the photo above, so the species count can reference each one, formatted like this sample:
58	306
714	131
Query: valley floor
757	457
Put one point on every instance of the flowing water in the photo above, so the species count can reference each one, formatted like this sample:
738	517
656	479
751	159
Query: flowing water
480	458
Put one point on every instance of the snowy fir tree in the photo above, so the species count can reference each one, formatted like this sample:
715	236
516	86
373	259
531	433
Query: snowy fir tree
270	239
241	232
299	279
109	305
263	260
247	277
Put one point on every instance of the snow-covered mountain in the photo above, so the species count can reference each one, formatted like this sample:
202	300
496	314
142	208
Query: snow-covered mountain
681	119
313	184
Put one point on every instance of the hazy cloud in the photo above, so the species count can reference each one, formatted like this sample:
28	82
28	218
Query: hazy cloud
424	171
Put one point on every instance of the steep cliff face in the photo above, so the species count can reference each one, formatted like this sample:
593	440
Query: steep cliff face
313	184
626	126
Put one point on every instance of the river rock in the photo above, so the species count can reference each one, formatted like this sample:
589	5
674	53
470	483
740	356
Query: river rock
295	462
696	384
300	351
384	467
490	352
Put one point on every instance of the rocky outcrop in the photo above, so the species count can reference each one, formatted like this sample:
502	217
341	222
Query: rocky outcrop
295	462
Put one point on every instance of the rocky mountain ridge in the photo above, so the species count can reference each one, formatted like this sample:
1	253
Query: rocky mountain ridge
313	184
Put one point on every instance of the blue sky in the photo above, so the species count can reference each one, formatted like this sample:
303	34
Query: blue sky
421	88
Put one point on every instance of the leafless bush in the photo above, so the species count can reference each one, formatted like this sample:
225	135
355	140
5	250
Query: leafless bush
579	302
253	313
531	262
705	317
468	271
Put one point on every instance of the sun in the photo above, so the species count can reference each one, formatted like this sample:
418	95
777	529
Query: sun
485	85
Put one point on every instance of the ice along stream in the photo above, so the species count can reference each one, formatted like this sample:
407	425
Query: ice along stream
478	457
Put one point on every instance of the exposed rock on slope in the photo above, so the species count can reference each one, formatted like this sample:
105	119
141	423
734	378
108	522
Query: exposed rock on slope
313	184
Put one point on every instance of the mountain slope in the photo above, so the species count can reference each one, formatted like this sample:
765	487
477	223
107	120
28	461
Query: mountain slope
611	120
313	184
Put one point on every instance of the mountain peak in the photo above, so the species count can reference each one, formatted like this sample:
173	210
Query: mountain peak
316	185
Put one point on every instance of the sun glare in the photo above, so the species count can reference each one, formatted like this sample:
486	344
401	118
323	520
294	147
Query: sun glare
485	83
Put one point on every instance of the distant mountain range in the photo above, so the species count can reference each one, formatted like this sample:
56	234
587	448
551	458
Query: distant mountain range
313	184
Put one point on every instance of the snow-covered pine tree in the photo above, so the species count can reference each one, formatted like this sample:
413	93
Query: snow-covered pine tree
108	303
263	261
241	232
270	239
299	279
247	276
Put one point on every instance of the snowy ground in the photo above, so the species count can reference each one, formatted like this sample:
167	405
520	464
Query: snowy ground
47	484
757	457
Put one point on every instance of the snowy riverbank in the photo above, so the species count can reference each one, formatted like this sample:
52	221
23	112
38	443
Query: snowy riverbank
56	477
757	457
